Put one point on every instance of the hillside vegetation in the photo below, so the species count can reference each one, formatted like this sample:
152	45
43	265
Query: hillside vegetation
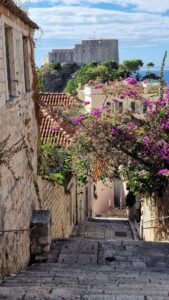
107	71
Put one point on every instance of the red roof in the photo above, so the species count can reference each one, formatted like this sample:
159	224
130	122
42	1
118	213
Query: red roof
49	119
59	137
59	99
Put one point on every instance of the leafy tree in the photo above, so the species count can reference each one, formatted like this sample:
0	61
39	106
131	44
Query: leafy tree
133	65
111	65
151	75
99	73
150	65
55	66
71	86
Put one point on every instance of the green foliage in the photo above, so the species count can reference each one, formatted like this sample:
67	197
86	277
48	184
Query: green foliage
130	199
133	65
150	65
71	86
151	75
111	65
54	164
55	66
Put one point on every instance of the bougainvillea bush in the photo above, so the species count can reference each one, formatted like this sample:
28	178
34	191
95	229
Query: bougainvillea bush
133	148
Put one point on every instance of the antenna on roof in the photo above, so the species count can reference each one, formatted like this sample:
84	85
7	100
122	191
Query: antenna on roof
93	37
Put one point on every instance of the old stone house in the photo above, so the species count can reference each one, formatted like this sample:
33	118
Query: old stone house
17	118
22	191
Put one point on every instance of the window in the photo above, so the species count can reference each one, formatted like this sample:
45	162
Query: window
133	106
26	64
10	66
120	105
144	109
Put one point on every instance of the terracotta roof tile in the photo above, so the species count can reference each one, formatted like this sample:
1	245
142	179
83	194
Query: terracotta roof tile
18	12
50	118
59	99
60	137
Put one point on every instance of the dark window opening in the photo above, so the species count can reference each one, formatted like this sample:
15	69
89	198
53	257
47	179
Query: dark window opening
9	58
120	105
133	106
26	64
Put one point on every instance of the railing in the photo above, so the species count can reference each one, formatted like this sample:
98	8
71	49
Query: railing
16	231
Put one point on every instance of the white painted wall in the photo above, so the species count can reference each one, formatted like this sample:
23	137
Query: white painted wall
104	199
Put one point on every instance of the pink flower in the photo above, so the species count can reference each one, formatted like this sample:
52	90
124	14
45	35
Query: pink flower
87	102
54	128
131	125
146	139
98	86
105	106
130	80
164	172
114	129
79	119
96	112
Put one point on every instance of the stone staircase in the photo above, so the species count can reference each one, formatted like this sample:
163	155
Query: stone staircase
90	268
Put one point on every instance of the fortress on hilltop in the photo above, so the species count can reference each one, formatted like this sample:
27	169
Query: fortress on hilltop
98	50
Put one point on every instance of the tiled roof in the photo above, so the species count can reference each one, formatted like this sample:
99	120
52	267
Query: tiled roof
18	12
49	119
59	99
60	137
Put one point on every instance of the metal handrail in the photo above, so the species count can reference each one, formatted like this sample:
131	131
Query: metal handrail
163	218
21	231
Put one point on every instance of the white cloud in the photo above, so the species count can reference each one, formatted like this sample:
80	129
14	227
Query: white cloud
77	23
157	6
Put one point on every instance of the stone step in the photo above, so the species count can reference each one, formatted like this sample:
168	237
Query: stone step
65	292
118	268
103	276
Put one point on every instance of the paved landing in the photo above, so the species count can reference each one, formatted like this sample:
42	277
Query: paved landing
104	229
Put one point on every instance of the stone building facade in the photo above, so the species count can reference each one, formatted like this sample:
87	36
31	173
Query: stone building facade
87	51
17	118
19	194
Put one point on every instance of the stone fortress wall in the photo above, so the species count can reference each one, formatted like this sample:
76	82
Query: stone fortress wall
86	52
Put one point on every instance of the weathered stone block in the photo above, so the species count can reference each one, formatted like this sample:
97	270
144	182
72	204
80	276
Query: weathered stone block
40	232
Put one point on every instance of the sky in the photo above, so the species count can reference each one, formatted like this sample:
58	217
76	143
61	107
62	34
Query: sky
141	26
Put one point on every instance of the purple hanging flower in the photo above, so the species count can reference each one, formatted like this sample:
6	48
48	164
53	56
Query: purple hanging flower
96	112
114	129
146	139
54	128
79	119
130	80
87	102
105	106
131	125
164	172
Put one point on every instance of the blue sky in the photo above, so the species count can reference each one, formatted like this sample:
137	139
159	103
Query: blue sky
141	26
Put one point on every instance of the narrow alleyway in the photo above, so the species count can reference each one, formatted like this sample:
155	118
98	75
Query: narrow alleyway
101	261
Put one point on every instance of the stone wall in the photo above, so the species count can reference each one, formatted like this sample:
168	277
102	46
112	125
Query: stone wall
62	206
86	52
61	55
17	118
155	218
17	198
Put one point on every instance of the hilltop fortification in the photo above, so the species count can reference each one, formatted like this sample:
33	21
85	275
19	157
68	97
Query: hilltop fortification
98	50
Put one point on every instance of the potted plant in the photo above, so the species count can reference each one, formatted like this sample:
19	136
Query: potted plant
130	204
